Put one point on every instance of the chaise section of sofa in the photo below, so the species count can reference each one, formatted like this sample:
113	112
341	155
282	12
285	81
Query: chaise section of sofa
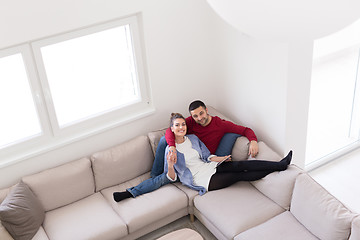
314	214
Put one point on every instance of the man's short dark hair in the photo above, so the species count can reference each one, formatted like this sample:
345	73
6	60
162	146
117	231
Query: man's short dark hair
195	104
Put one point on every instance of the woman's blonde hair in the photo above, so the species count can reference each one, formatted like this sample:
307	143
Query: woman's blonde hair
175	116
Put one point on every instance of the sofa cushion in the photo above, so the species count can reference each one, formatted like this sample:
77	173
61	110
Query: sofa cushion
213	112
148	208
190	193
122	163
355	229
237	208
279	186
266	153
154	138
40	235
321	213
62	185
21	213
89	218
240	149
3	193
282	226
4	234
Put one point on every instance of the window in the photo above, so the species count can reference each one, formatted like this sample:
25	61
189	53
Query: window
62	88
333	126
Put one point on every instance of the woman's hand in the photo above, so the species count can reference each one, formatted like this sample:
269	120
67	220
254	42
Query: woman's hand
171	158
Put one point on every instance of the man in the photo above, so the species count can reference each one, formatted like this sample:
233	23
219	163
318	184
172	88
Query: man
211	130
217	134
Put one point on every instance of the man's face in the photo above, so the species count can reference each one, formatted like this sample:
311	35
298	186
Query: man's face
201	116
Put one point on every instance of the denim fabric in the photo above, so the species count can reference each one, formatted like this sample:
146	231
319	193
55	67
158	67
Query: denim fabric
149	185
226	144
183	173
158	177
158	165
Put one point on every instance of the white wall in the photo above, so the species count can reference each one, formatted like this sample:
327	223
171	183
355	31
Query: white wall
253	84
191	53
179	57
265	85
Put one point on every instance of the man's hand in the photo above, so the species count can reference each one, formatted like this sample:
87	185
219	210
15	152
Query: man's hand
253	148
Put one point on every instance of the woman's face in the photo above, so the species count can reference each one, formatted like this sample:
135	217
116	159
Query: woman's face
179	127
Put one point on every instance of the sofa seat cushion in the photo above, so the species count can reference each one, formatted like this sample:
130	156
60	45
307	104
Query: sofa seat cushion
147	208
319	211
237	208
62	185
190	193
40	235
4	235
89	218
281	227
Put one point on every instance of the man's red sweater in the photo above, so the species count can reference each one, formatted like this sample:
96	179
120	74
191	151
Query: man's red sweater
211	134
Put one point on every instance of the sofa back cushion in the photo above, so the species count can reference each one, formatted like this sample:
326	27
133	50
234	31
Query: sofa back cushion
321	213
122	163
3	193
62	185
278	186
154	138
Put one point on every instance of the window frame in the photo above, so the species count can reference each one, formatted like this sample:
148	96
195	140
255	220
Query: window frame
53	136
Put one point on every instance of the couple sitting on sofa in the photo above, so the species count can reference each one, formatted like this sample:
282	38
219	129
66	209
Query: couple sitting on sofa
190	159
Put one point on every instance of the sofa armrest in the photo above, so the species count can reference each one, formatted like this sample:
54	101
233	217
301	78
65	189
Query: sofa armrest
278	186
355	229
319	211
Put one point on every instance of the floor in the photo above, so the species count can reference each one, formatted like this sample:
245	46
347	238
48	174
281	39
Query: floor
183	222
341	177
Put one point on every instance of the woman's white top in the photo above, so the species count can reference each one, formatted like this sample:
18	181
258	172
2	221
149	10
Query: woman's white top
200	170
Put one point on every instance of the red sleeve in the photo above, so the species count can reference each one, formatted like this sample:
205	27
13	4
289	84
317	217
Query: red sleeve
244	131
169	135
170	138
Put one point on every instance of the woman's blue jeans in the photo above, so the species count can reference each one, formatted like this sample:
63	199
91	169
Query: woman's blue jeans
158	176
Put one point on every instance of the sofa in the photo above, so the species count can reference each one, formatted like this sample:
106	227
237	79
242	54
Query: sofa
75	201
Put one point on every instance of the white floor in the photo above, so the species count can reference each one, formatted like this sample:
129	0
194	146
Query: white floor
181	223
341	178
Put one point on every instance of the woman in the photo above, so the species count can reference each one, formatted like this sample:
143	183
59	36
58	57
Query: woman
199	170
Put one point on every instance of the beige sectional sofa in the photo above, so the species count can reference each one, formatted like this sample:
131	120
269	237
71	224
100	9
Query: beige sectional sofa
77	202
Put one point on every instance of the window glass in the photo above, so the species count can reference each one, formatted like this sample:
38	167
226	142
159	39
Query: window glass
334	110
19	120
91	75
